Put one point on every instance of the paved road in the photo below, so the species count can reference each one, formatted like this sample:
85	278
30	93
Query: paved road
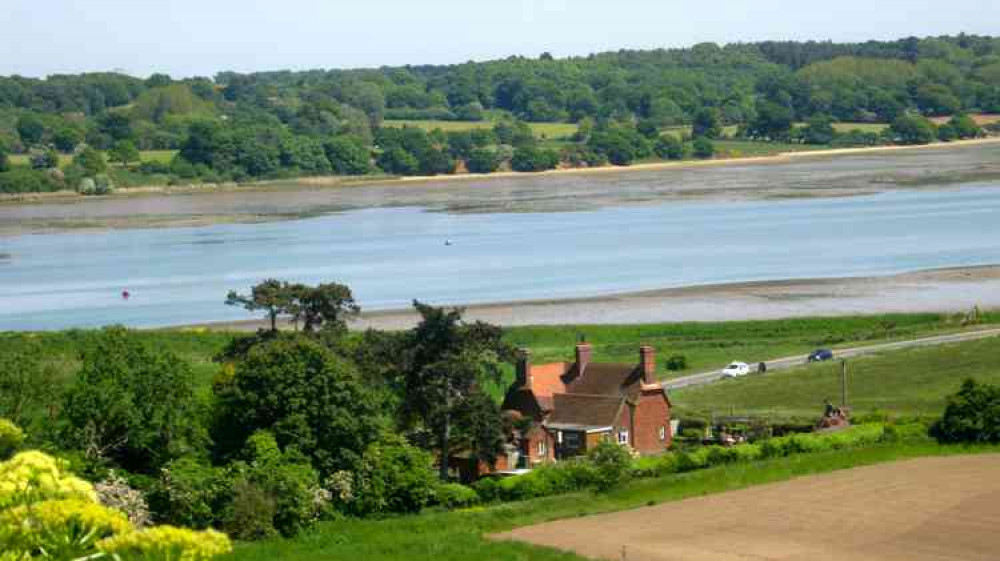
791	362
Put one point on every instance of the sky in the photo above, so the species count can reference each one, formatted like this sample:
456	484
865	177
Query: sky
202	37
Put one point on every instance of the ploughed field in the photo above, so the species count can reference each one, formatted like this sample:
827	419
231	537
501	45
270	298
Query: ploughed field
924	509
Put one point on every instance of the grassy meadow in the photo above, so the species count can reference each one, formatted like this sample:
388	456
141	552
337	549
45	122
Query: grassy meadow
461	535
905	382
163	156
705	345
541	130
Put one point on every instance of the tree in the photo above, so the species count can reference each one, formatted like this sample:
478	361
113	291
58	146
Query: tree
819	130
67	138
394	477
946	133
124	151
348	155
530	158
965	126
706	123
277	298
30	128
48	159
27	386
327	306
913	129
937	99
4	158
971	415
482	160
648	129
302	393
395	160
669	147
132	404
774	122
448	362
703	148
91	161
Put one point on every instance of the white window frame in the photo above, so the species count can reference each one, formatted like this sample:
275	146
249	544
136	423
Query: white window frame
623	437
543	448
663	433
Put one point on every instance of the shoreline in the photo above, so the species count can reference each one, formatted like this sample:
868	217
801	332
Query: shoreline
932	290
345	182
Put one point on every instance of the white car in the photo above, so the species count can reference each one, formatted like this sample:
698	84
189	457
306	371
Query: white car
736	369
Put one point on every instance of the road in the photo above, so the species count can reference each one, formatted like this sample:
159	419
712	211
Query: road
793	361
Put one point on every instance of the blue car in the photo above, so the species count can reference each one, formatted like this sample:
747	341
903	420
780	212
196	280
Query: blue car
820	355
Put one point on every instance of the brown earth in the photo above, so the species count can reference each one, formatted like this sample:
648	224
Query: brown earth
917	510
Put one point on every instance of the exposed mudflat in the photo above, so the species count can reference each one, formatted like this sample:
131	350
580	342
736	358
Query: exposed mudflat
835	173
929	509
943	290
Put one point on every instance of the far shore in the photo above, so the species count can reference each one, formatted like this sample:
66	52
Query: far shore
952	290
363	181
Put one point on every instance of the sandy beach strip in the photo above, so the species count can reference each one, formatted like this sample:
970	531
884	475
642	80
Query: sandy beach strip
938	290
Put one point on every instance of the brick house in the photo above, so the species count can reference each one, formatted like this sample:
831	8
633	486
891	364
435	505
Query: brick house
568	407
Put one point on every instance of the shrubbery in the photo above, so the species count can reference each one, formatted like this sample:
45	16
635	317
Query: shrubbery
45	512
11	437
972	415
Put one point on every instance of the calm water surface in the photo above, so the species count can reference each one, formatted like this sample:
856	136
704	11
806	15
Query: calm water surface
390	256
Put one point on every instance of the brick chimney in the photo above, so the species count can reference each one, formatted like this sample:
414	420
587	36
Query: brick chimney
582	356
647	363
524	368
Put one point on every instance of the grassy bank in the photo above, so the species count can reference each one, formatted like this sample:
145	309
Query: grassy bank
910	382
460	535
541	130
705	345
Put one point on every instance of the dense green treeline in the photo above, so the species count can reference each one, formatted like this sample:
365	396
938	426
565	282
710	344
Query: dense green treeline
627	105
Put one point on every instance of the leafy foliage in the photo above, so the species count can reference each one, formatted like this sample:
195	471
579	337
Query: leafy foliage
972	415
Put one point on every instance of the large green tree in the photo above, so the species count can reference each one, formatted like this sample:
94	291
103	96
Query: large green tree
302	393
447	363
131	404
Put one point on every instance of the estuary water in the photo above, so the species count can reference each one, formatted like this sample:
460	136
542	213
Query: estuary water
389	256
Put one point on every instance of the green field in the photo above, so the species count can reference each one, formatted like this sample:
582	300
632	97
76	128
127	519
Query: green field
864	127
709	345
163	156
705	345
541	130
905	382
459	535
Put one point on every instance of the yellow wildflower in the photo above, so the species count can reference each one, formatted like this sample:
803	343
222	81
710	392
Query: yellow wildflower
64	529
167	543
33	476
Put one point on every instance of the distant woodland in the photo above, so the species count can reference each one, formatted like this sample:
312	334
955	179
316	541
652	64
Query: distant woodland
91	132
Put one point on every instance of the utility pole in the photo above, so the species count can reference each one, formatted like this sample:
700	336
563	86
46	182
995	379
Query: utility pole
843	382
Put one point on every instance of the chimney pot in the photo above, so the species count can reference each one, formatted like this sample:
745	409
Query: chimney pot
647	363
524	367
583	351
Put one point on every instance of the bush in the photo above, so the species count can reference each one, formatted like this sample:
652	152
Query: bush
269	474
529	158
394	477
189	493
454	495
11	438
676	362
482	160
703	148
971	415
48	513
251	513
23	180
488	489
611	463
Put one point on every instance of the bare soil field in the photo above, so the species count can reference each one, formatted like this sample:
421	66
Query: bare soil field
917	510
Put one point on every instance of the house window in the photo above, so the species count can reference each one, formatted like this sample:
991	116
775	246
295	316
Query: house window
572	440
623	437
663	433
543	448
